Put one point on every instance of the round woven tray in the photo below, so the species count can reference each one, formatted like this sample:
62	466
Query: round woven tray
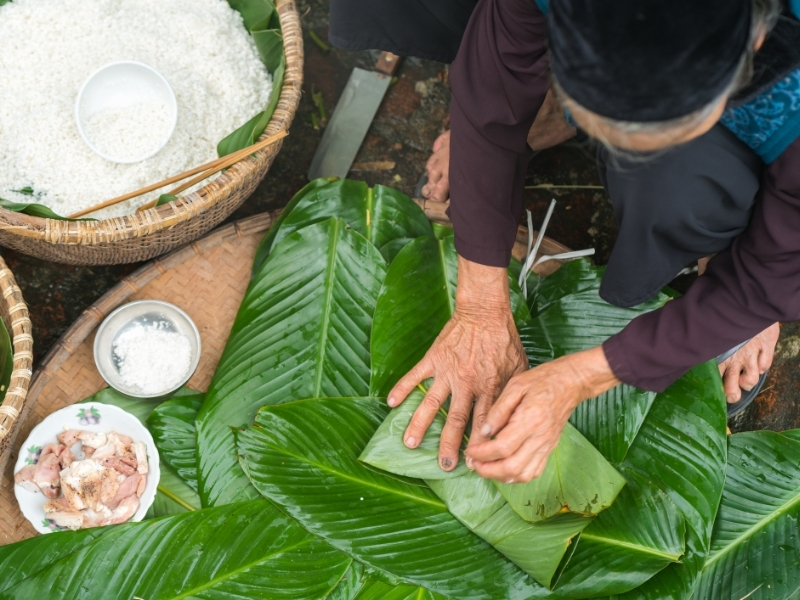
207	279
14	313
144	235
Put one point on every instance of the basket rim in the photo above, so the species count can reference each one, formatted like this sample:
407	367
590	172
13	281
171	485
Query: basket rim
22	344
140	224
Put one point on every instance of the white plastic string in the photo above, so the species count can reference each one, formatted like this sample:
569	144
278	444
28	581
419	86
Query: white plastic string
530	261
524	283
532	253
564	256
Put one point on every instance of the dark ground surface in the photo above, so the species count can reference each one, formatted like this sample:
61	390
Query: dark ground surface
413	114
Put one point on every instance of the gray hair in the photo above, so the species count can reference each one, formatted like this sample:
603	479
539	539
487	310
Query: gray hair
765	15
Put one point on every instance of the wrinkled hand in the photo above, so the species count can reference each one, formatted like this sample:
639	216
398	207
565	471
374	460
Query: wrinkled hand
530	414
476	353
742	370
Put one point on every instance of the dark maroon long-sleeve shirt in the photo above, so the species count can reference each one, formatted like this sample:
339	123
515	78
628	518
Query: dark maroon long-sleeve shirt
499	81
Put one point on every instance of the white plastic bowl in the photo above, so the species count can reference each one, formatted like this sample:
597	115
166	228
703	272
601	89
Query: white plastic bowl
88	416
123	85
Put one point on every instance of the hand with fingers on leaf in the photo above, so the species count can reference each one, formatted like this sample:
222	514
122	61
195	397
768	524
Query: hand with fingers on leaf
524	425
472	359
742	370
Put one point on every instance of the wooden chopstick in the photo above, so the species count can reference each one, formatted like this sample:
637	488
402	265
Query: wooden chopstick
205	170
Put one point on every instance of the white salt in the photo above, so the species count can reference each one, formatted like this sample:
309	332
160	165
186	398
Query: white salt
129	133
49	47
152	358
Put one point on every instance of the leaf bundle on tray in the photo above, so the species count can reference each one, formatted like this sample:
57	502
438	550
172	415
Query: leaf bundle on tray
310	492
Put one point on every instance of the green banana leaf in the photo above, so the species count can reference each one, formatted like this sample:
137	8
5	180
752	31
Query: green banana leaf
792	434
755	547
681	450
264	247
477	503
576	479
35	210
25	559
571	278
386	450
640	534
302	331
416	301
243	550
625	545
350	583
302	455
381	214
378	590
261	20
174	432
571	317
173	495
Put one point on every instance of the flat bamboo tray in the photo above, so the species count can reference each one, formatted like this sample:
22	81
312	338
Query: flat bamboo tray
207	279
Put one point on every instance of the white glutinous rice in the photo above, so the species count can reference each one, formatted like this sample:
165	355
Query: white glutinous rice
129	133
151	357
48	48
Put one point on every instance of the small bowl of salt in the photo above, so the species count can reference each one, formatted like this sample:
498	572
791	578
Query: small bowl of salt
147	348
126	112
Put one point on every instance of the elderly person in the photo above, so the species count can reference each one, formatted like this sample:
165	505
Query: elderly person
697	106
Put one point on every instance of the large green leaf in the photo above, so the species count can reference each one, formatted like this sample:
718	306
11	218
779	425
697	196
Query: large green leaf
380	214
416	301
571	278
387	451
681	450
25	559
571	317
303	456
576	479
755	547
243	550
174	432
302	331
624	546
378	590
264	247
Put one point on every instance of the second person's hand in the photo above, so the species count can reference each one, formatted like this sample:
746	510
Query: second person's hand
472	359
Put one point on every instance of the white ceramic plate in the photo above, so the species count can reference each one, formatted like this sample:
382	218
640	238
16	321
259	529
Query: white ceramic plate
89	416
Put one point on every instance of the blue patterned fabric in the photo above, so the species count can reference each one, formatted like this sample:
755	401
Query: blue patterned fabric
771	122
544	5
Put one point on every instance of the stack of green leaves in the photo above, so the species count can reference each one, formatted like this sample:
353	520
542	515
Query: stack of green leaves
349	290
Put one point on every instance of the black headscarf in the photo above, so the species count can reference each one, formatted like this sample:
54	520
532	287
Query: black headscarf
647	60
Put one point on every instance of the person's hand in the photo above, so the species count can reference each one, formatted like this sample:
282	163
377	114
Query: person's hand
438	169
550	127
742	370
530	414
476	353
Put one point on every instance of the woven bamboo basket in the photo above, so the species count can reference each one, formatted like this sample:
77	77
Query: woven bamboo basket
208	280
14	313
144	235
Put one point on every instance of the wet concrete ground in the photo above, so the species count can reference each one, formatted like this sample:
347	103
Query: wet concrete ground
413	114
